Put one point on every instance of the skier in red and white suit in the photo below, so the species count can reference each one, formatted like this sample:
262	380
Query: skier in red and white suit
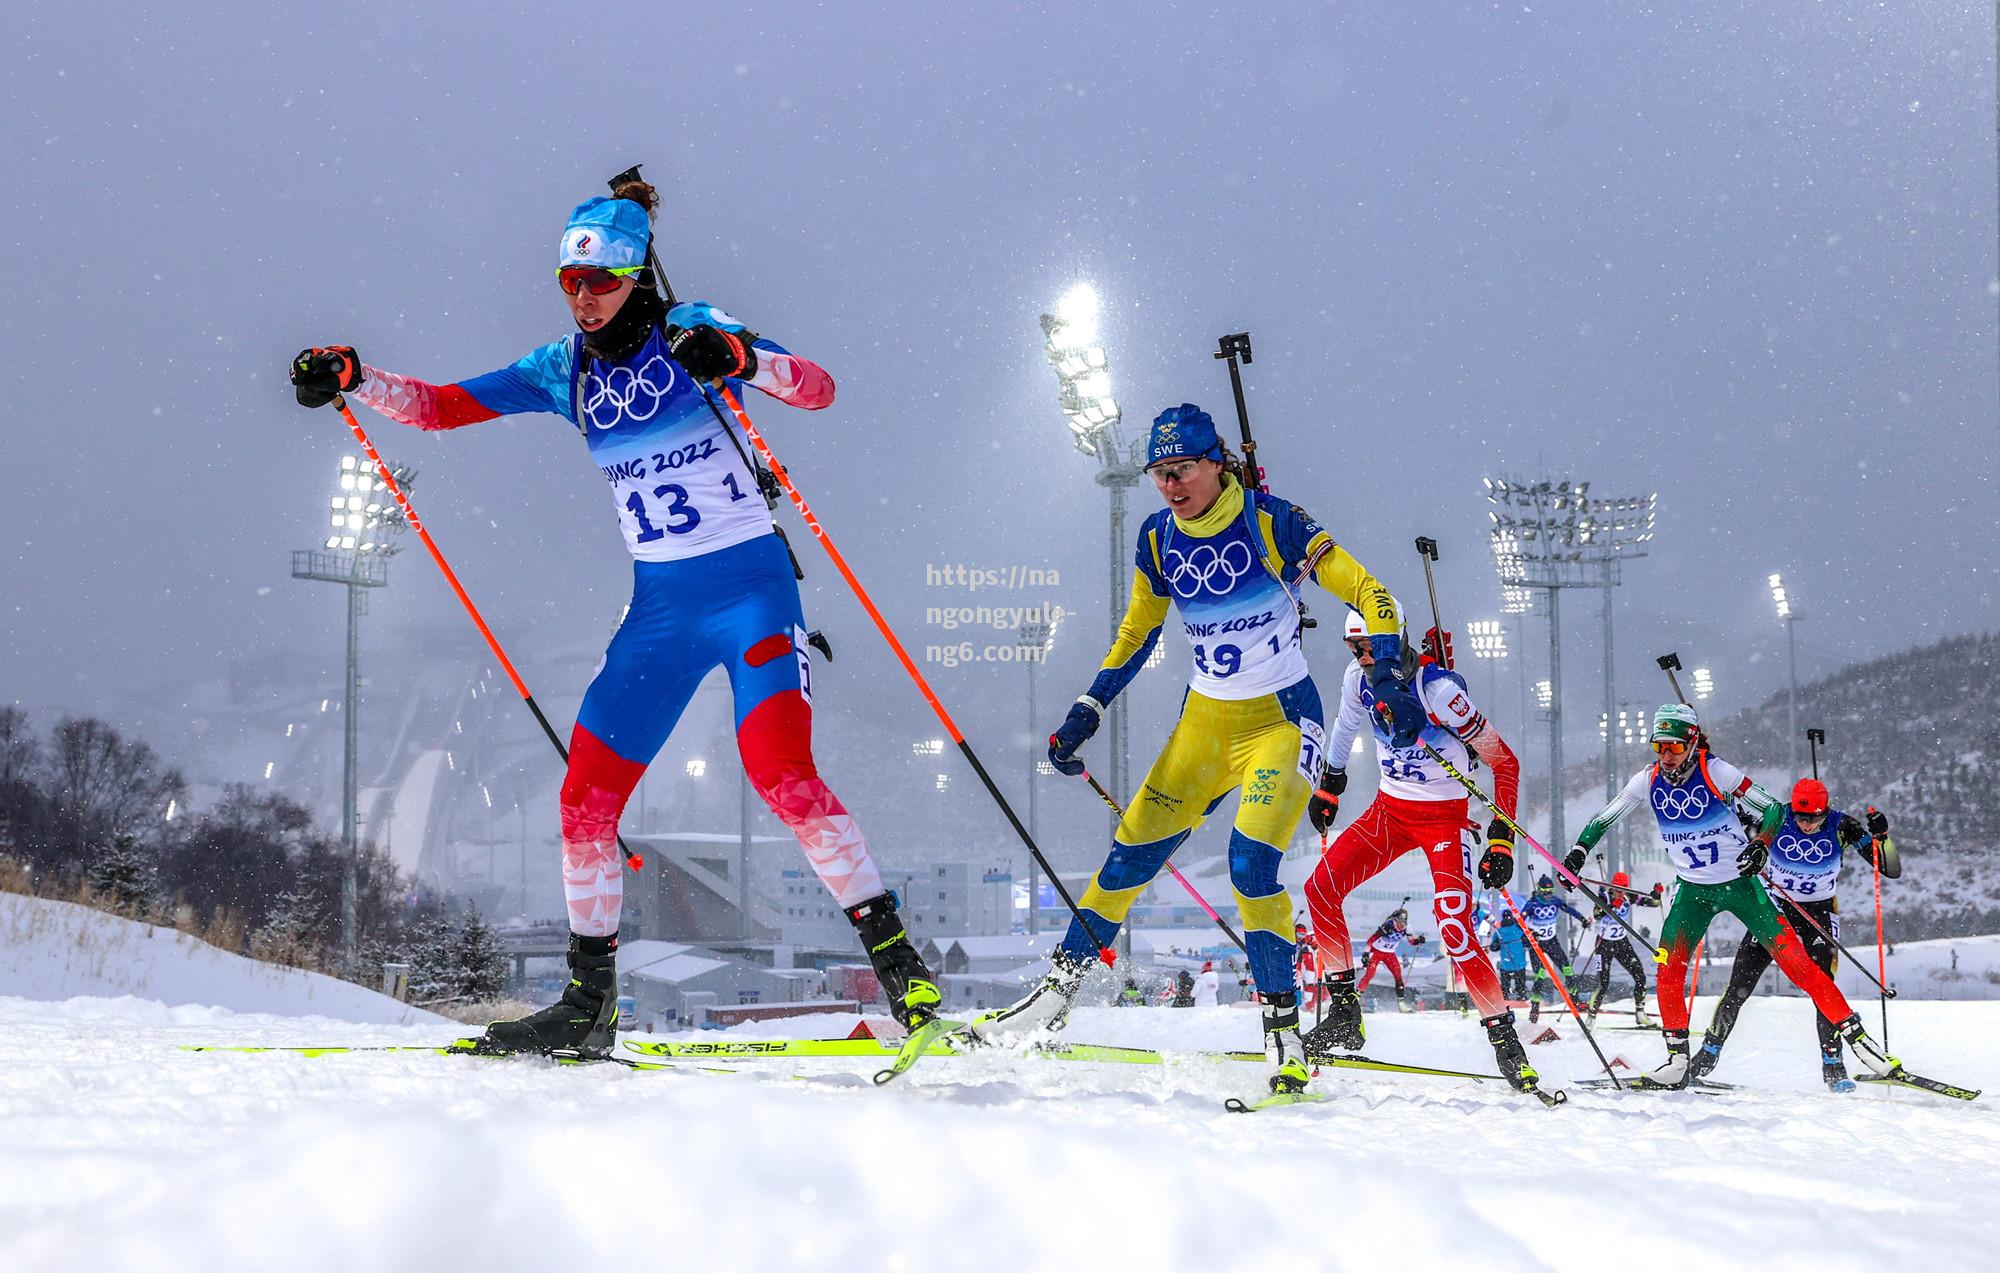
1418	806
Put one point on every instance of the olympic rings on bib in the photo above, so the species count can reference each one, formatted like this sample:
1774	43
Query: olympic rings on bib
1681	804
625	394
1814	848
1192	573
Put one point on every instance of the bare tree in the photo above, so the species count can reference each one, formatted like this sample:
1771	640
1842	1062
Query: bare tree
20	752
104	786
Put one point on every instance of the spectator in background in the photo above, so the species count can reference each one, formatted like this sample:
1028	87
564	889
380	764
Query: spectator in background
1205	986
1513	948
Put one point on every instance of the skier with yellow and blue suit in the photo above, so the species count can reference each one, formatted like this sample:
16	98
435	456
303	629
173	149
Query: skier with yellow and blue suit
1230	561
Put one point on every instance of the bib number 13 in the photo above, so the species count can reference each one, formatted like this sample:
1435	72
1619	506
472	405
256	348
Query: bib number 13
678	517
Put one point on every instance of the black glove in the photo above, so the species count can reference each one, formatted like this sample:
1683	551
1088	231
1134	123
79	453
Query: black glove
709	353
1849	832
319	374
1496	867
1416	939
1325	803
1751	860
1573	866
1878	822
1074	732
1651	899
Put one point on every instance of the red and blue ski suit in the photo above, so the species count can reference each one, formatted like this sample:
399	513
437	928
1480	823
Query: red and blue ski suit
712	587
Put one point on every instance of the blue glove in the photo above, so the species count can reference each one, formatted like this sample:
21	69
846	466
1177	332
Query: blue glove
1404	710
1074	732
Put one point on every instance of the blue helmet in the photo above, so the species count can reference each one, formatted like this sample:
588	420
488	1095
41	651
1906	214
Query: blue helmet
1182	433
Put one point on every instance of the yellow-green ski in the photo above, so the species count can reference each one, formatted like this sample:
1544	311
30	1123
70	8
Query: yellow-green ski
915	1046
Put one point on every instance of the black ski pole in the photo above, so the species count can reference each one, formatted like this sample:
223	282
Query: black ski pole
1562	988
1230	349
632	859
1173	870
1821	930
1814	737
910	669
1671	663
652	257
1427	548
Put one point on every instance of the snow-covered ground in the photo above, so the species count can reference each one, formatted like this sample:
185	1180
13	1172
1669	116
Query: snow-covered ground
58	950
118	1151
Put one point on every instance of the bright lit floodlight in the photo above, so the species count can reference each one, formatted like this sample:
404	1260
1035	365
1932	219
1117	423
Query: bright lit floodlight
1544	695
1082	371
1077	312
697	768
1489	639
364	515
1704	684
927	747
1778	595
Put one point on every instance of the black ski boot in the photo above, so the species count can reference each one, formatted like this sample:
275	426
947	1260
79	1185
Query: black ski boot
582	1021
1342	1031
913	996
1508	1053
1705	1057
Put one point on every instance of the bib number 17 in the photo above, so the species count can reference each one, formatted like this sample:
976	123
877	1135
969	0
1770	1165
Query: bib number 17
1694	854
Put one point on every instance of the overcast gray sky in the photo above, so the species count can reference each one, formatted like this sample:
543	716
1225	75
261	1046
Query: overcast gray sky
1740	255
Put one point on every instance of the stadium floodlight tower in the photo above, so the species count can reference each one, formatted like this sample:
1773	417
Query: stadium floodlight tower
1550	535
1790	617
1037	637
1083	376
1489	641
364	519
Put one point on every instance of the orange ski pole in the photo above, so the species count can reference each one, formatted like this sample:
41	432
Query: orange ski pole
1555	975
416	524
1104	952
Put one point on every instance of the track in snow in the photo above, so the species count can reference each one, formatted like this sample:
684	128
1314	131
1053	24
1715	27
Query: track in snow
118	1151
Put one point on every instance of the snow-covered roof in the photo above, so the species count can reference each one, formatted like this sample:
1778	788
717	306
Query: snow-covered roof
1001	946
666	961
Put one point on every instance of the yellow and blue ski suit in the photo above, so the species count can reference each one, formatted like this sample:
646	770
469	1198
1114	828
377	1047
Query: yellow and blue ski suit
1251	718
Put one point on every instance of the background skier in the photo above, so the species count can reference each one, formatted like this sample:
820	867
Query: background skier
1806	857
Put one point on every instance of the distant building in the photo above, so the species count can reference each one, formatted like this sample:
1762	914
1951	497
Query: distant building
666	980
689	890
954	899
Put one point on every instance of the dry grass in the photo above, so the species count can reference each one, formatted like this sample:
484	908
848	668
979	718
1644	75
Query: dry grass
15	877
484	1011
